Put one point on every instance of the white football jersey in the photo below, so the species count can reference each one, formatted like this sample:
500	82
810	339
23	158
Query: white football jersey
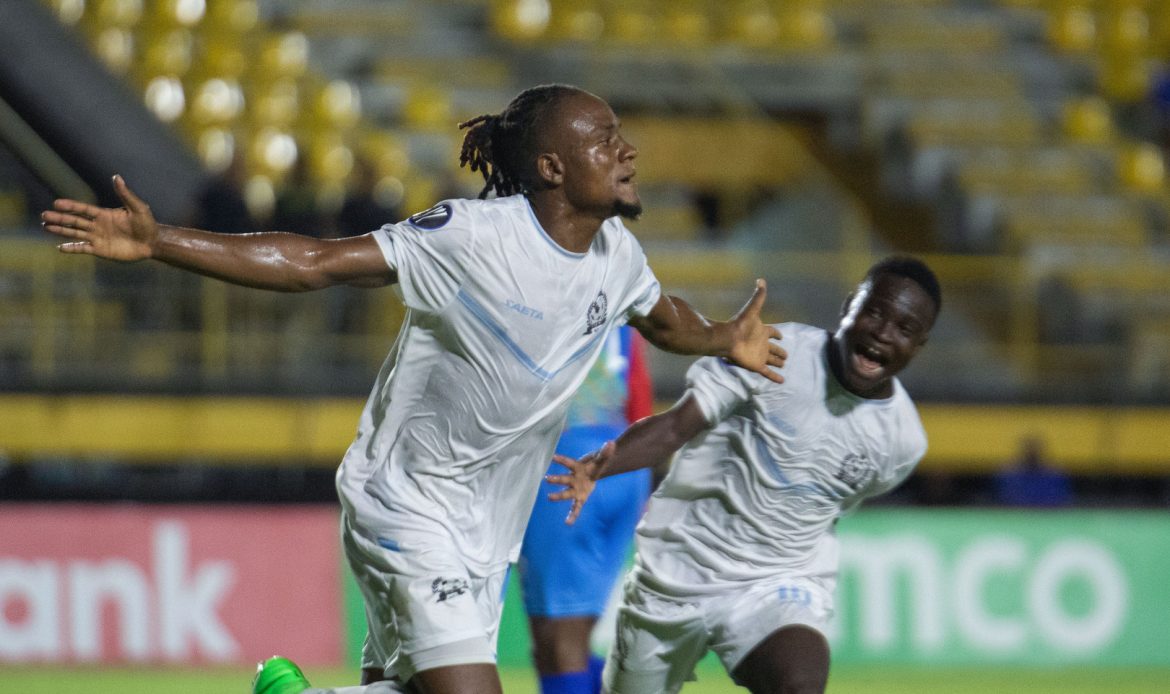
756	496
502	327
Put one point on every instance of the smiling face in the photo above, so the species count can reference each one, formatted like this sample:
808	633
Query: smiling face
588	158
886	322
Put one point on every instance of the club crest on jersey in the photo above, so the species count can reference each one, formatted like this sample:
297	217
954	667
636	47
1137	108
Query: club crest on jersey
446	588
433	218
596	315
855	470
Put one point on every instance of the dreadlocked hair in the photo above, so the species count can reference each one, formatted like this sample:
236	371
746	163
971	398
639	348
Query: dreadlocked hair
502	147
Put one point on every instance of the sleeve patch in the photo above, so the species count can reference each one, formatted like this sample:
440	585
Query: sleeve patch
434	218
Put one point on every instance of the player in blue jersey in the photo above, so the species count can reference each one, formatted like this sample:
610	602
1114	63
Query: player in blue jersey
509	303
568	572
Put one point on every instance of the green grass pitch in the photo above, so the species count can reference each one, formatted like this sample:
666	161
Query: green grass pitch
45	680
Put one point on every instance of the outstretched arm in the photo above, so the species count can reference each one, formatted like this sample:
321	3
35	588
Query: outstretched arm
268	260
647	443
744	340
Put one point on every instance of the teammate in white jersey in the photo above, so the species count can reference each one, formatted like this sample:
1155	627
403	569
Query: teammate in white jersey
736	552
509	303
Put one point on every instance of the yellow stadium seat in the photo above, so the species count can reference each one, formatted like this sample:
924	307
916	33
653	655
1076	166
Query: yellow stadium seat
1072	28
519	20
175	13
1126	29
117	13
806	26
579	21
283	55
115	47
387	153
167	53
69	12
633	22
1089	121
687	24
1142	168
330	157
218	101
231	16
275	103
1125	78
428	107
221	56
338	104
216	146
751	23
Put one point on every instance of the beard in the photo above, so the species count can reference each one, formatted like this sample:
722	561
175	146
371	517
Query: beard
628	210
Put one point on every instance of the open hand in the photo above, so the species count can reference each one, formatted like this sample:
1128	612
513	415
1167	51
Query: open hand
581	480
127	233
752	344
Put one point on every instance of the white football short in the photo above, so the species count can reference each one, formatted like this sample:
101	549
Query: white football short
660	639
423	608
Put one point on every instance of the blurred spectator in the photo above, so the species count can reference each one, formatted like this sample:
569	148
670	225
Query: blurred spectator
1029	481
366	208
221	206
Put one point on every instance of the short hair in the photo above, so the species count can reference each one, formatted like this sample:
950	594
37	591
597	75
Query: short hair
503	146
912	269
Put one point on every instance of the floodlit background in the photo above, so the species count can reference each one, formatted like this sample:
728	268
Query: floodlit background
167	443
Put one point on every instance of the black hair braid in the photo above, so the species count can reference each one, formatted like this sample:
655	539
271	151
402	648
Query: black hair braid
502	147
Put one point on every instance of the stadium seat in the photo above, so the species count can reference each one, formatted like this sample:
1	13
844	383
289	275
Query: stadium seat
577	21
115	47
117	13
632	22
1072	28
428	107
1088	120
233	17
1031	221
1142	168
751	24
686	24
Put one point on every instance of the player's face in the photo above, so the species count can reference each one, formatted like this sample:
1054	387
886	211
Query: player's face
884	326
598	161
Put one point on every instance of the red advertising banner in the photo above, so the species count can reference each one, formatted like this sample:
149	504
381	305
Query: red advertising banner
169	584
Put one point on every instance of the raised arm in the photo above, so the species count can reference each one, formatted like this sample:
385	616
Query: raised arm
646	443
267	260
744	340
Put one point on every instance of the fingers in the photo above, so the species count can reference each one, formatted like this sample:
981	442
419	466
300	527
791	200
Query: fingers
75	207
564	481
84	247
574	512
565	460
756	303
66	225
129	199
771	375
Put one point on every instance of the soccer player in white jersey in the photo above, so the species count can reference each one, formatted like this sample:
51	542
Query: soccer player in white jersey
510	300
736	552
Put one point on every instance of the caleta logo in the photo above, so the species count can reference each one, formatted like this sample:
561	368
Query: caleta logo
596	315
446	588
432	219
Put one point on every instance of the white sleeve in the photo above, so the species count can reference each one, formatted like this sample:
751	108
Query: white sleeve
430	252
909	448
642	291
646	292
717	387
